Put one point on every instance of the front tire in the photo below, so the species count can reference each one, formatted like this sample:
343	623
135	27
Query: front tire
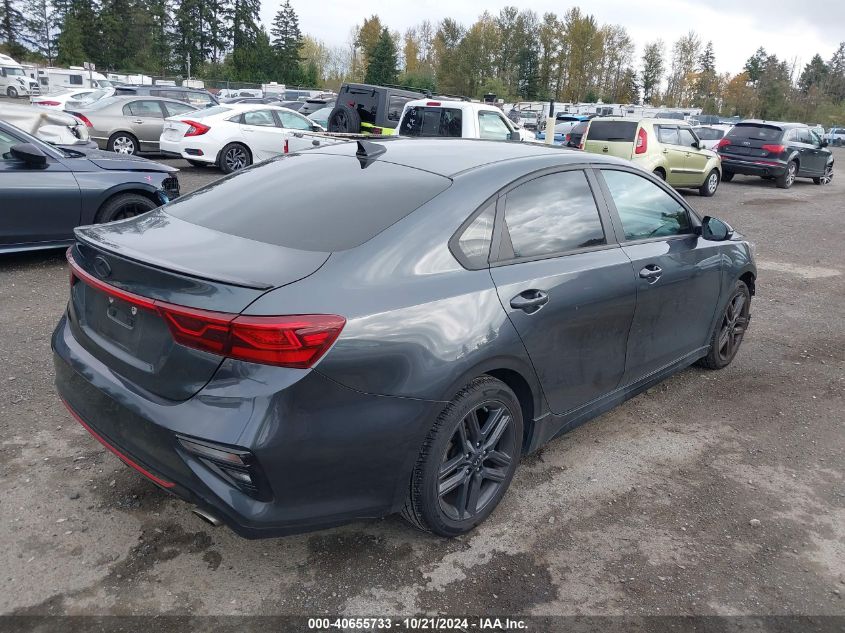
827	177
730	329
467	460
786	180
123	143
727	176
660	174
123	206
711	184
234	157
11	92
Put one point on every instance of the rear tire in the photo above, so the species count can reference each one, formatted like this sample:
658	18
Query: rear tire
123	206
730	329
786	180
344	119
467	460
660	174
123	143
711	184
727	176
234	157
11	92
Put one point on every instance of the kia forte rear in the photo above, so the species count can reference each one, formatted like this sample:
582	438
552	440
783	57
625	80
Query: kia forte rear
394	340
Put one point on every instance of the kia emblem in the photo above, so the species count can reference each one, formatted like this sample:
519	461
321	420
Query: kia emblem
101	267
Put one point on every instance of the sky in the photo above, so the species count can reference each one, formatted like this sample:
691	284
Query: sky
791	30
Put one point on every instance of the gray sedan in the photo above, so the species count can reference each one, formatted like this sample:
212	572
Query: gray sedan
128	125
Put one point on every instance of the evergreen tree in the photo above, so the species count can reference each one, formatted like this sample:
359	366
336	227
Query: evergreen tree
382	67
39	20
814	74
287	42
12	26
707	80
70	50
755	64
652	73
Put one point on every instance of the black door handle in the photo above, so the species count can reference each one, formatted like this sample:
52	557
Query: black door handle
530	301
651	273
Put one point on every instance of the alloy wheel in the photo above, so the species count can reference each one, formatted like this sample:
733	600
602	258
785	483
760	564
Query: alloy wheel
827	177
713	183
476	462
123	145
235	158
130	210
734	323
790	174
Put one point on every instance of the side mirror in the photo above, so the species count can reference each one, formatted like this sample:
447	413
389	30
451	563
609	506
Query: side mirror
715	230
514	136
29	154
316	128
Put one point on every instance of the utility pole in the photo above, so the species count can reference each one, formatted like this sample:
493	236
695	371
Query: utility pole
550	123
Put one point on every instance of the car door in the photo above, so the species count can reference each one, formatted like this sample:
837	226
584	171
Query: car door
695	159
146	120
263	134
37	204
819	154
565	284
677	273
675	155
292	123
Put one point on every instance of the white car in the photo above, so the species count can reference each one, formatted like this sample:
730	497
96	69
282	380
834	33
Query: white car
79	96
235	135
56	127
458	119
710	135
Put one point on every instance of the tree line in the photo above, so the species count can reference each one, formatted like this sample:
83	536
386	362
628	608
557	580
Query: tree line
515	54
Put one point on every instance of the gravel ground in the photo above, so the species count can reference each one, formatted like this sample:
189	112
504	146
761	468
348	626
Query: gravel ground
713	493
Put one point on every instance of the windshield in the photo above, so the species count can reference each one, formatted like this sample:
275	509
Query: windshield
90	97
14	72
102	103
756	132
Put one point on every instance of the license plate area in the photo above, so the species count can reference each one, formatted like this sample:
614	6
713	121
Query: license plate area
123	314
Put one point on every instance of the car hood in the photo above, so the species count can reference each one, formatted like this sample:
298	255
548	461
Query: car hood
112	161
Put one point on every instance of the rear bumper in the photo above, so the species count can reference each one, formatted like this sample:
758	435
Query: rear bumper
329	454
752	167
196	151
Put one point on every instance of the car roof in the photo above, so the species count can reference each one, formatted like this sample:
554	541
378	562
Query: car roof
451	103
780	124
157	87
452	156
396	89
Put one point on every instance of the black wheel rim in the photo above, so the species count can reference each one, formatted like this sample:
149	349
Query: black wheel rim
235	158
130	210
734	323
341	122
477	461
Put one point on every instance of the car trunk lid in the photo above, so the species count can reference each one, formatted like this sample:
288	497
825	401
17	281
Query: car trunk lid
752	140
613	138
119	298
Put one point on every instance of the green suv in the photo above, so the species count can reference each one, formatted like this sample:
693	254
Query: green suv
667	148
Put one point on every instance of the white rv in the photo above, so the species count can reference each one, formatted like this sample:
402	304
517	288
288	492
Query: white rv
14	81
53	79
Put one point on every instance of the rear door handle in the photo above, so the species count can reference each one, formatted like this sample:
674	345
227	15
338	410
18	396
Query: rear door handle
529	301
138	121
651	273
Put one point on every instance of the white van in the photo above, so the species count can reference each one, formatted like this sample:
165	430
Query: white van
53	79
14	81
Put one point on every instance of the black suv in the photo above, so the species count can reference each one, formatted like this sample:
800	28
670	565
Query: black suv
775	151
197	97
370	109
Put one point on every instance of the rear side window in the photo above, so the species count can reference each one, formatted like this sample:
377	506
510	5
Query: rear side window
756	132
552	214
262	118
75	80
395	105
612	131
424	121
645	209
474	242
359	204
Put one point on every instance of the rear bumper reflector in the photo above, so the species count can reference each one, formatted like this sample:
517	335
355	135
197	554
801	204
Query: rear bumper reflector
124	458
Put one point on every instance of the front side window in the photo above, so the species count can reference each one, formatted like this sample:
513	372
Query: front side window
645	209
492	126
294	121
474	242
687	139
6	143
552	214
262	118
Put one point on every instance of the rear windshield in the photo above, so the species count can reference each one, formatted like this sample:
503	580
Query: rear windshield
612	131
756	132
580	128
430	121
201	114
287	207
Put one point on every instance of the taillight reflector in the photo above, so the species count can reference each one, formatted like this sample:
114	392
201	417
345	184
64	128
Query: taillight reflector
724	142
82	118
642	142
296	341
195	129
774	149
47	103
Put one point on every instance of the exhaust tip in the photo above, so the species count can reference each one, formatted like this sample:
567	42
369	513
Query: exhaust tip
207	517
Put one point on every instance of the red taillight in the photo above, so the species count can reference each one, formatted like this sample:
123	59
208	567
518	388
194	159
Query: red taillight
82	118
376	130
642	142
722	143
567	137
287	146
195	129
774	149
296	341
432	103
48	103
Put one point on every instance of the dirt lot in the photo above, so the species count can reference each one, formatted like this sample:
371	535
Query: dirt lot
713	493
